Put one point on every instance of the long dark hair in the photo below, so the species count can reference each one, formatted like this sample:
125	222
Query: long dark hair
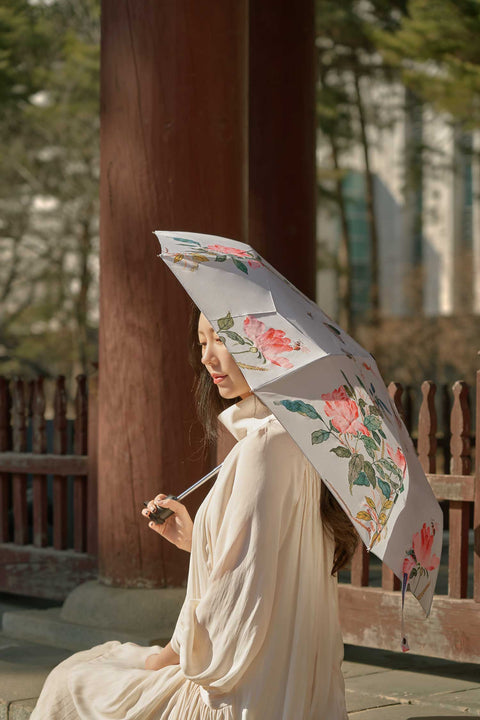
210	404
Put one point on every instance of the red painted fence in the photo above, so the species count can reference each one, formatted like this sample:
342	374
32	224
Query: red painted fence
33	564
35	556
370	609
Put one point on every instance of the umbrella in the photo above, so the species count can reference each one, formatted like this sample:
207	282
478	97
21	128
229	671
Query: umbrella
326	391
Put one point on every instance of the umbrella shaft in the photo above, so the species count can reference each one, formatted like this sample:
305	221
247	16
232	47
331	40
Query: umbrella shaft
200	482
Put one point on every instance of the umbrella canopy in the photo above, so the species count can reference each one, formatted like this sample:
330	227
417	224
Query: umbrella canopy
326	391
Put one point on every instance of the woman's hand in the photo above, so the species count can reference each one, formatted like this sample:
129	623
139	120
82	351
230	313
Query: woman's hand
165	657
177	529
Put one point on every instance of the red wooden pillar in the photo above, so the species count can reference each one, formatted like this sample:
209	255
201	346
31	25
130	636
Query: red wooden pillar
282	137
281	144
173	156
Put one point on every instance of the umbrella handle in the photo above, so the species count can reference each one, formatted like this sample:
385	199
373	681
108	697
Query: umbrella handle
161	514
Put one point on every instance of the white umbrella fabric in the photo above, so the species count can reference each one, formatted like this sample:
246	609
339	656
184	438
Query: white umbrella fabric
325	389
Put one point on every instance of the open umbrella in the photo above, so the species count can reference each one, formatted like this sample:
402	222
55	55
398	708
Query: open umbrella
325	389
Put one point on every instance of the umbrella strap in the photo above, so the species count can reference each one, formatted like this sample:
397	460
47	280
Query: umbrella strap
404	644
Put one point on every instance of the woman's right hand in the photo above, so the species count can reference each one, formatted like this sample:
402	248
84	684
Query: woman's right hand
177	529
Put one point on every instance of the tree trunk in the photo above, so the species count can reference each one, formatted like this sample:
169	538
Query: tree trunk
344	254
370	203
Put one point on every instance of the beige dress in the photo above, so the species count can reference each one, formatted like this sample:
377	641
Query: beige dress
258	635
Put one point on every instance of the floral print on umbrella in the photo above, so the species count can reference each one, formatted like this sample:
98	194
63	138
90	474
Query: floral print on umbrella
419	559
267	344
353	418
195	254
418	563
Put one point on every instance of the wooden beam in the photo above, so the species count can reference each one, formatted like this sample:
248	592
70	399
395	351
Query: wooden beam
37	464
371	617
452	487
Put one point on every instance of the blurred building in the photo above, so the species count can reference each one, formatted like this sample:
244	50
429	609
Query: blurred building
427	207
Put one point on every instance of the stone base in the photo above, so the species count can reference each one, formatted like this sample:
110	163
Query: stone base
94	613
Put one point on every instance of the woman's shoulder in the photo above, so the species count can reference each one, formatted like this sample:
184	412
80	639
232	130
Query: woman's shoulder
272	441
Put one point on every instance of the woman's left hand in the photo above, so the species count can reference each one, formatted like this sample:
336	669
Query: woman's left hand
165	657
178	528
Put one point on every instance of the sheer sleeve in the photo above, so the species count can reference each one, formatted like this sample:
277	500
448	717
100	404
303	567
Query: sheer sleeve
219	635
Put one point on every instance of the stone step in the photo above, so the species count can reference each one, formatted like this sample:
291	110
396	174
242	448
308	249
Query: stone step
23	669
47	627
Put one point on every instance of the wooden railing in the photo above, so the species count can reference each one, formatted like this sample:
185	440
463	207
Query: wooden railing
36	516
371	615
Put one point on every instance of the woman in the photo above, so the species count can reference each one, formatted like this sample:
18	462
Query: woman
258	636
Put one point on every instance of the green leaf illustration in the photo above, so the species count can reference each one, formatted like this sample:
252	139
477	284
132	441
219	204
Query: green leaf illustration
234	336
384	487
361	479
372	422
220	258
187	242
349	391
380	432
388	464
361	382
370	473
300	407
239	264
341	451
355	467
380	470
362	405
393	468
319	436
348	382
376	437
370	445
226	322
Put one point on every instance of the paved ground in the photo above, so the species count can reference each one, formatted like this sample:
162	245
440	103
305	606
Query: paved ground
389	686
379	685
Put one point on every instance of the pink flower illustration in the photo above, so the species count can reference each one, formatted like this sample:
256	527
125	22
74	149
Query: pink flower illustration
270	342
398	458
422	547
224	250
343	412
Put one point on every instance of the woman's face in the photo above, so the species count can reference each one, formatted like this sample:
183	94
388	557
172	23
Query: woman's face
220	364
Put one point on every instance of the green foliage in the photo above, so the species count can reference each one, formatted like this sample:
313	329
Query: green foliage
436	50
24	41
49	88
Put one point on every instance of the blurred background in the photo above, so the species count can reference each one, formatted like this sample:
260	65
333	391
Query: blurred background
398	222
